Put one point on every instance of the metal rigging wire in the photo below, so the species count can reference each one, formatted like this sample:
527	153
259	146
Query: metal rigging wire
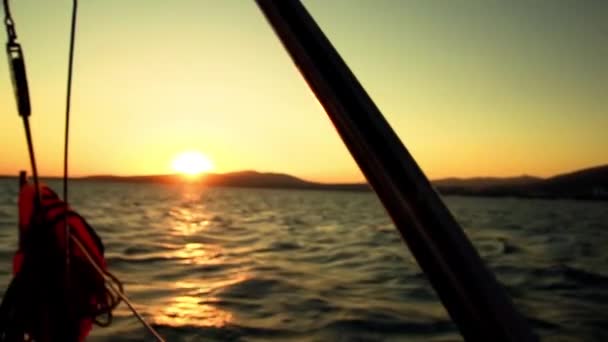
68	102
22	96
111	280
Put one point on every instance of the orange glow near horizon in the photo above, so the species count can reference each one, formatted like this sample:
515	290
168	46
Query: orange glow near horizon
191	163
524	97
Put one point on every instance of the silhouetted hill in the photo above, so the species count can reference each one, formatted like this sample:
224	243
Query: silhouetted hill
591	183
587	183
135	179
484	182
244	179
256	179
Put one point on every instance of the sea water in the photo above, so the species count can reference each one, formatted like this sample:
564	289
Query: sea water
217	264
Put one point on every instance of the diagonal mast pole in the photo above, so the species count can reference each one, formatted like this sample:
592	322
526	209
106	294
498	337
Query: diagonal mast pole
474	299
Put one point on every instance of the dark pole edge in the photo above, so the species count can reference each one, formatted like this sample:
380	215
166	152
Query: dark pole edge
476	302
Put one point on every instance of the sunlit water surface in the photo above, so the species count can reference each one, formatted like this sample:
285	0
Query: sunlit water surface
257	265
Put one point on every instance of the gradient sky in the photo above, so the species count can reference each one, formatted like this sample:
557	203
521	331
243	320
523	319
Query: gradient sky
473	88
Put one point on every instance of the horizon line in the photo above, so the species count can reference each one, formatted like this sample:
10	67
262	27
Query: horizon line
364	181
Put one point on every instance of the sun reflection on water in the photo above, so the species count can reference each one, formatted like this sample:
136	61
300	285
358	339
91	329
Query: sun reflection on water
188	220
195	308
193	302
192	311
198	254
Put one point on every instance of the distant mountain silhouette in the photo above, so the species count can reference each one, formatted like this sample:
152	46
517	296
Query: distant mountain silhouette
591	183
587	183
244	179
257	180
484	182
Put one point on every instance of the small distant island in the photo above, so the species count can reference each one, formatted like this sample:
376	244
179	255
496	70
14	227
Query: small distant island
588	184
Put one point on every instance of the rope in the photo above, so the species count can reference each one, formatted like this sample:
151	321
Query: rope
111	280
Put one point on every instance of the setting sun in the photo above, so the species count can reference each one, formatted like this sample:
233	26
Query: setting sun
192	163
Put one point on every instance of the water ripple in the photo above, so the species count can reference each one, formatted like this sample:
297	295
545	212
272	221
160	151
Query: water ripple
259	265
